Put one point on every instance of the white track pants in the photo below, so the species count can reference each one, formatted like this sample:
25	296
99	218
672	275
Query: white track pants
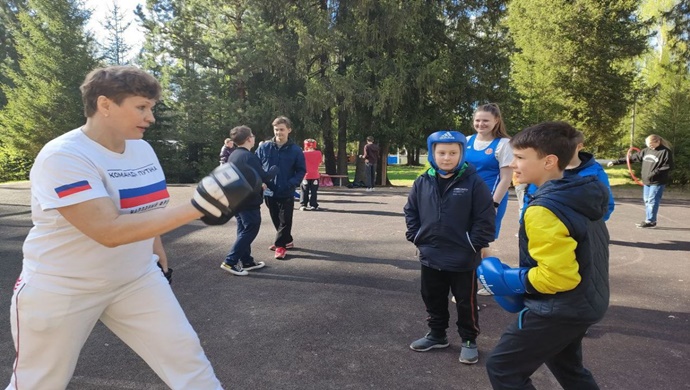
50	329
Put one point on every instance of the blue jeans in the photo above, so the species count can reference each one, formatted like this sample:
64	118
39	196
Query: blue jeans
652	198
248	224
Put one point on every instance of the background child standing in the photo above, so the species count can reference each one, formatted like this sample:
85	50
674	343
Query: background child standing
310	184
582	164
450	217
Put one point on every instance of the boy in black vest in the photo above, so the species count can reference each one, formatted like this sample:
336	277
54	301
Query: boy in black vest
562	285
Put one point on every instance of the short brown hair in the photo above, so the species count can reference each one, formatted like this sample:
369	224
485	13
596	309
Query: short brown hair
240	134
117	83
282	120
556	138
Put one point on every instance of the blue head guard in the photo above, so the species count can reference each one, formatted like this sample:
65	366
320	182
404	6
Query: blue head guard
446	137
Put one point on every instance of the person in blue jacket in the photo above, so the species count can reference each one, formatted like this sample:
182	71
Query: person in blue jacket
450	217
280	197
582	164
239	259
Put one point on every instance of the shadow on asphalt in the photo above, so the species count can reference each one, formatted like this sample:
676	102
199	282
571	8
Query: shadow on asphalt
662	246
658	325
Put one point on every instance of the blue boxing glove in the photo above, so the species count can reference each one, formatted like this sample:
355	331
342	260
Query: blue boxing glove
511	303
500	279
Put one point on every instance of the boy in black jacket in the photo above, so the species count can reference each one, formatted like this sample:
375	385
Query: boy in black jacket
239	260
450	217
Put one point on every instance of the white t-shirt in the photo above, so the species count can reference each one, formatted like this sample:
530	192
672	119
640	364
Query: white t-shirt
73	169
504	153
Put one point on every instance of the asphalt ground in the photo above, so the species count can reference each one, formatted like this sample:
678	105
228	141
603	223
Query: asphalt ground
342	309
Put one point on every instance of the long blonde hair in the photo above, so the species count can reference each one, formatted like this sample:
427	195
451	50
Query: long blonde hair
656	137
499	130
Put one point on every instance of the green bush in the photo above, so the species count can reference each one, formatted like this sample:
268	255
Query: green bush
14	164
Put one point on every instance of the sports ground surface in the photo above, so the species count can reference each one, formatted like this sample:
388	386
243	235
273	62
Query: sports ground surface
341	310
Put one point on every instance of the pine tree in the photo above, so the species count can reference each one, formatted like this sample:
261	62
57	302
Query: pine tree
666	112
574	61
8	53
54	56
115	50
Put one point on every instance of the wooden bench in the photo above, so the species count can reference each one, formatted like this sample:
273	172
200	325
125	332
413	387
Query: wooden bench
332	177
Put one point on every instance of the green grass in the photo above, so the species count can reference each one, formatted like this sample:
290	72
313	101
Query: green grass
404	175
619	175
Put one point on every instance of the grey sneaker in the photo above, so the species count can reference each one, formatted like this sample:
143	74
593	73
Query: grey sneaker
253	265
646	225
234	269
428	342
469	353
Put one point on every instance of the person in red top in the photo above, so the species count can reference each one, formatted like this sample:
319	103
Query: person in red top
310	184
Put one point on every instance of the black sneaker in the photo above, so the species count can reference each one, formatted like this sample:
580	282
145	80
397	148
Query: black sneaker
253	265
234	269
428	342
646	225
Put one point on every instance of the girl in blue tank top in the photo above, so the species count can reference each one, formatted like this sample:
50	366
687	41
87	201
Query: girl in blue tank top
490	152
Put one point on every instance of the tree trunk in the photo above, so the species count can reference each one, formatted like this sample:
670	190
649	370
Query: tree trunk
342	137
382	166
328	144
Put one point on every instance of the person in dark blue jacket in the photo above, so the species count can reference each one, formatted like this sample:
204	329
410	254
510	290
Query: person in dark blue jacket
450	217
239	260
280	197
582	164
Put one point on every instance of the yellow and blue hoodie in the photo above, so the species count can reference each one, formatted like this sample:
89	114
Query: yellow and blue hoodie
565	242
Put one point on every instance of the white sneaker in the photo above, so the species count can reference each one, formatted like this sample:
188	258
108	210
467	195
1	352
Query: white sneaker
484	292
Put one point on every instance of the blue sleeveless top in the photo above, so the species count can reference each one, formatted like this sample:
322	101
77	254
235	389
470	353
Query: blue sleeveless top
485	161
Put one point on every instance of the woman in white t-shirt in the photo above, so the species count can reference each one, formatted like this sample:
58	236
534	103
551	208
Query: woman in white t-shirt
98	205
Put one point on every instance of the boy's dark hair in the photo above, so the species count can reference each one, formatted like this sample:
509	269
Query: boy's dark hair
282	120
370	139
117	83
557	138
240	134
579	138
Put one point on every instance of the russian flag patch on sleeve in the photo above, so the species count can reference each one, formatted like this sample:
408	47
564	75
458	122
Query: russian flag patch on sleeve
70	189
135	197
